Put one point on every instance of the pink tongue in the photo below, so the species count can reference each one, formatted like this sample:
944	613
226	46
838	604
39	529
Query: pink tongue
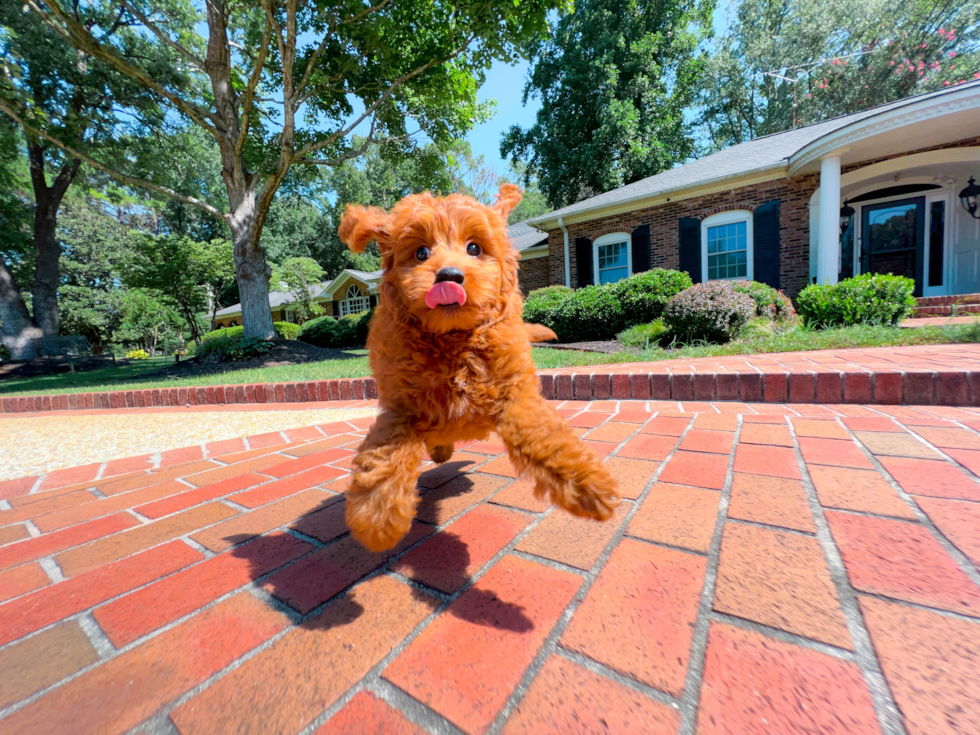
444	293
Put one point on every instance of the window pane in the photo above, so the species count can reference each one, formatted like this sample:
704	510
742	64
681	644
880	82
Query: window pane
611	275
937	231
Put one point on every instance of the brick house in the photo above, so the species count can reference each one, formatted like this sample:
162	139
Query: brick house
353	291
775	209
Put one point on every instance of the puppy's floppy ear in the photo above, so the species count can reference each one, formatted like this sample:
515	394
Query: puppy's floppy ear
508	197
359	225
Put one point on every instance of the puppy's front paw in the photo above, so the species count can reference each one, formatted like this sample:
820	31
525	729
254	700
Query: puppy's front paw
441	454
593	494
377	525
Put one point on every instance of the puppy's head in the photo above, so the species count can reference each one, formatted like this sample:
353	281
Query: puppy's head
447	260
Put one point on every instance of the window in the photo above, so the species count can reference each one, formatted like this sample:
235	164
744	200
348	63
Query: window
354	303
613	260
726	246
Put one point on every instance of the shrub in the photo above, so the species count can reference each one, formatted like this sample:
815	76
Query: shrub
644	296
286	330
867	299
644	335
591	313
600	312
768	301
139	354
348	331
4	353
234	348
318	331
712	311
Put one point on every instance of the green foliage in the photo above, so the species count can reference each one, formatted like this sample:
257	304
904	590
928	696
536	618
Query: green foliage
139	354
783	65
286	330
644	335
769	302
613	77
866	299
233	348
180	269
300	278
600	312
349	331
645	295
712	311
146	320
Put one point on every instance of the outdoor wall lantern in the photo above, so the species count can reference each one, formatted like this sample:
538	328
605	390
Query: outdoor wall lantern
846	215
968	198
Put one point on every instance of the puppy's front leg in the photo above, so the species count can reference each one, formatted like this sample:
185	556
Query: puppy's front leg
539	442
382	496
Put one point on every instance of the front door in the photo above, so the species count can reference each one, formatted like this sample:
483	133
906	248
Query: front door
966	255
893	235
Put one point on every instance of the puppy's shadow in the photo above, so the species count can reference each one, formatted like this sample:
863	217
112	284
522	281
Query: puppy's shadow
442	562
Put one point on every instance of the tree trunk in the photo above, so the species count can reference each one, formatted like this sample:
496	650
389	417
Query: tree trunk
47	252
251	269
18	332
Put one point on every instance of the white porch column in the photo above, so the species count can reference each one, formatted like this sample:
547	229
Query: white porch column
828	244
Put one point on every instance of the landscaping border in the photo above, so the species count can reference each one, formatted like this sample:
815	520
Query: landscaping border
892	387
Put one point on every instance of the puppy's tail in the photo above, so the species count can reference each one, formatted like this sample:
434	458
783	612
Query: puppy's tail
539	333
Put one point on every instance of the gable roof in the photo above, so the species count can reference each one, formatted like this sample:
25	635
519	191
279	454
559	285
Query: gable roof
770	152
522	236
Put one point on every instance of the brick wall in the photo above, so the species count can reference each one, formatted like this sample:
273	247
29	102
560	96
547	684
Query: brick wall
794	224
534	273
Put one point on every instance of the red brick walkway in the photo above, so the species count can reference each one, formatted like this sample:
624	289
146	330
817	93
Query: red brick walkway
773	570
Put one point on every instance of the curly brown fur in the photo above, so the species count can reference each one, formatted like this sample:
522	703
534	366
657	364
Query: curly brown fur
455	373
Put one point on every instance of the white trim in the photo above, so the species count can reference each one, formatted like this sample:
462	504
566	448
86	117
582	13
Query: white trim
330	289
958	100
613	238
727	218
538	251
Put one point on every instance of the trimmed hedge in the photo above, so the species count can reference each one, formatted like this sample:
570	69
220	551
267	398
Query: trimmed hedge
712	311
601	312
284	330
769	302
348	331
867	299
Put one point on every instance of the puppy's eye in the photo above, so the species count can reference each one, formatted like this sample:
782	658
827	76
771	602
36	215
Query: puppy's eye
422	254
473	249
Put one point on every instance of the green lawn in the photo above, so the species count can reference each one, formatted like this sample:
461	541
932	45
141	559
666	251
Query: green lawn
792	340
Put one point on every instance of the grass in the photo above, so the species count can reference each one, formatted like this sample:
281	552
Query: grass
756	340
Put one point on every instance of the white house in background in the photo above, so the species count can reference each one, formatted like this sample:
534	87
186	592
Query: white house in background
878	191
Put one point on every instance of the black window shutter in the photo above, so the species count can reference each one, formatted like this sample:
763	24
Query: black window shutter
583	256
641	249
690	244
765	226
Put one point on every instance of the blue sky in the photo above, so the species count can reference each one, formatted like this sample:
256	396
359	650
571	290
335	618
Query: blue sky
506	85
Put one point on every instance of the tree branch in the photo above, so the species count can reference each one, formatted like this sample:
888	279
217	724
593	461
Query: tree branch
164	38
80	36
120	177
253	82
370	110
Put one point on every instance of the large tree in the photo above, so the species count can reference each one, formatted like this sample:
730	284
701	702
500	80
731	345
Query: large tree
56	92
614	78
787	63
291	82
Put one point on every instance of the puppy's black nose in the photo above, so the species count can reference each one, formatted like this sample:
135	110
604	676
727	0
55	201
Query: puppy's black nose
449	274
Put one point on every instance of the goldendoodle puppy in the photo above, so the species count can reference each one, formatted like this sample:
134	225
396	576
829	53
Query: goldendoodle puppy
452	361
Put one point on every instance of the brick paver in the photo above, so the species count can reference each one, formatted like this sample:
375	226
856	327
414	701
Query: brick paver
774	568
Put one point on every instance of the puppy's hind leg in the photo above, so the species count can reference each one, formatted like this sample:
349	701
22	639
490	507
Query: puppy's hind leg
382	496
539	442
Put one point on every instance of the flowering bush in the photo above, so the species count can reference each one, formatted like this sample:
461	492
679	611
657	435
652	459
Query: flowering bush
712	311
139	354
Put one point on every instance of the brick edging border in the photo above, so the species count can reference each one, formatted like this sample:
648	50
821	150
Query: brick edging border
920	388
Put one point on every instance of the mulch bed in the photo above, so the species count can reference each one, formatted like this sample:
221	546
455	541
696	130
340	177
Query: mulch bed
285	352
45	366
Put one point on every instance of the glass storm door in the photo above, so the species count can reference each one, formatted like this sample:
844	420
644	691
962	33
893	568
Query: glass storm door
893	235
